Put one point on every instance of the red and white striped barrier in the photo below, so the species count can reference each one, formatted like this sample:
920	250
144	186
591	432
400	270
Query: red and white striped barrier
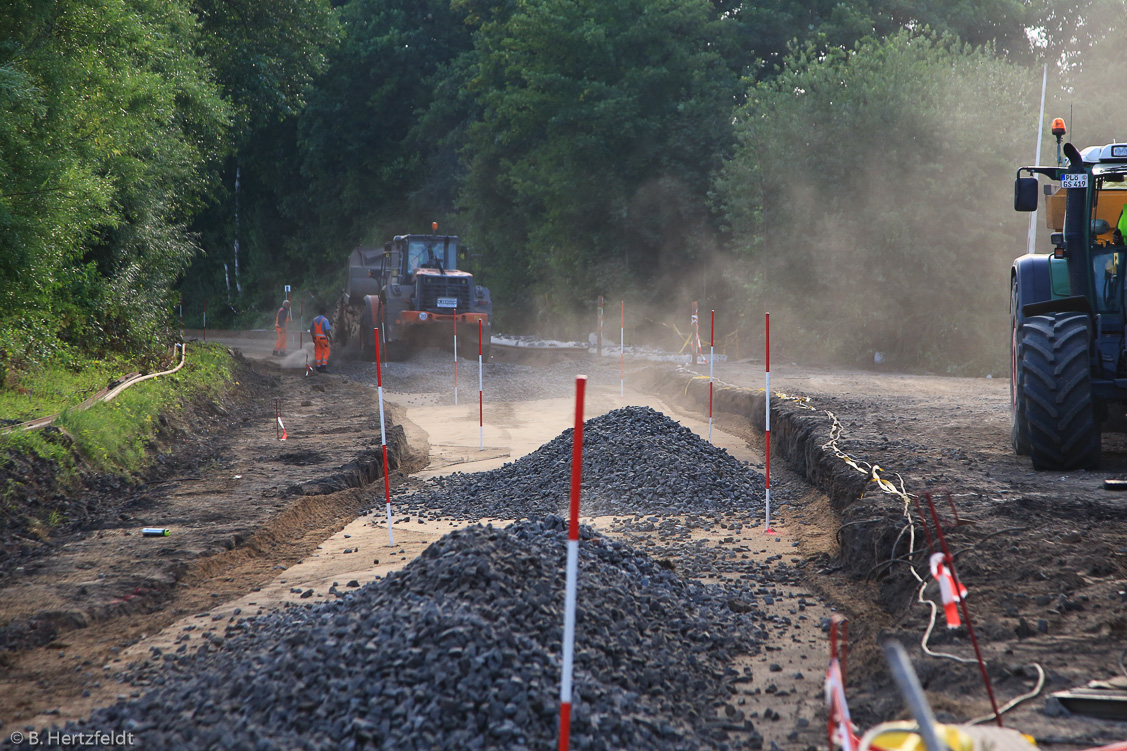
950	591
767	430
694	336
711	359
839	725
280	428
383	440
622	350
837	710
572	566
958	591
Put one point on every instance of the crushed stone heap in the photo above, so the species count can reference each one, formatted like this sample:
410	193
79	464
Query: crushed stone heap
461	650
635	461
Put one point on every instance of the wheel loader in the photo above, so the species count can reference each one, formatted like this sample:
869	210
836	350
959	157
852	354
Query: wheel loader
414	293
1068	375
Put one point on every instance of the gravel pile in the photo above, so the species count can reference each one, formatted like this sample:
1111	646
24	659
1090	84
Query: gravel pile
635	461
460	650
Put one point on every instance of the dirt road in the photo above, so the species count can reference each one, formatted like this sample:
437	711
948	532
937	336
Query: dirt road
1044	556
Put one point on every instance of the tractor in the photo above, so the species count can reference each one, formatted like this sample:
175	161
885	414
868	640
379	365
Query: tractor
413	292
1068	374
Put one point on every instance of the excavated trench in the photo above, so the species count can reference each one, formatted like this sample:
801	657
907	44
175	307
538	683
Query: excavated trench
799	436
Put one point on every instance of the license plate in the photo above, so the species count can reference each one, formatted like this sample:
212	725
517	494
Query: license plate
1074	180
447	302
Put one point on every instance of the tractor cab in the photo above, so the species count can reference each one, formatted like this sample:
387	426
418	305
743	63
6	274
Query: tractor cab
1068	312
1083	214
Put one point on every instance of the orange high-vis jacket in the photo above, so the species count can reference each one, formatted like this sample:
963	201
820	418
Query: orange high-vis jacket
320	327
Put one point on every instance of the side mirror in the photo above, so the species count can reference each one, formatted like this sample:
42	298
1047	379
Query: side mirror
1100	227
1025	194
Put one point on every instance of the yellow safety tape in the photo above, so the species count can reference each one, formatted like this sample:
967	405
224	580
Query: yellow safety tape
871	470
803	402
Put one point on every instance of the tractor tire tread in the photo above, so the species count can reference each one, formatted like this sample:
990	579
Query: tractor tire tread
1057	390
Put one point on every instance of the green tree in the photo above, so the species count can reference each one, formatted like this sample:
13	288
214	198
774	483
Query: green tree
266	56
600	124
109	123
869	198
372	139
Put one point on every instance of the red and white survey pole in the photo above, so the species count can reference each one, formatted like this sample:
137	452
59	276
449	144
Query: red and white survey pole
572	566
205	319
767	423
480	394
599	337
455	357
622	350
383	439
711	359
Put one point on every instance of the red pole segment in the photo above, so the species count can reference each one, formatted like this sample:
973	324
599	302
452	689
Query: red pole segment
383	438
577	456
455	357
480	395
966	613
572	566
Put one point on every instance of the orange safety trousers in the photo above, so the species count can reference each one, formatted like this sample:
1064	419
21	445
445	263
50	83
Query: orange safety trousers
320	350
280	345
320	341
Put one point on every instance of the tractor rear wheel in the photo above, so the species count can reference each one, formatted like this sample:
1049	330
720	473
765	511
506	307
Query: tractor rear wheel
1019	428
1056	383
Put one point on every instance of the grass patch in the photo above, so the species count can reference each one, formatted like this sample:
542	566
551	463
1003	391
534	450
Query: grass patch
114	436
48	390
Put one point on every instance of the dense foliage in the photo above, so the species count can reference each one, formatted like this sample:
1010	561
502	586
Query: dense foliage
867	230
850	156
109	125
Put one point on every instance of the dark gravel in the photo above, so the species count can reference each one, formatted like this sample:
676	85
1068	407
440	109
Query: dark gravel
460	649
635	461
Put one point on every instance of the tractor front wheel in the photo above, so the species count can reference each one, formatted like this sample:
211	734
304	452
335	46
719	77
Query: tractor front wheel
1056	386
1019	429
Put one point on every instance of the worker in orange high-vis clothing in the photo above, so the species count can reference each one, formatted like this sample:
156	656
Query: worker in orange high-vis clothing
281	322
322	332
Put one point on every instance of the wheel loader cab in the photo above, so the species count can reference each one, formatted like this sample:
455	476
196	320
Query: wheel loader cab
432	253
